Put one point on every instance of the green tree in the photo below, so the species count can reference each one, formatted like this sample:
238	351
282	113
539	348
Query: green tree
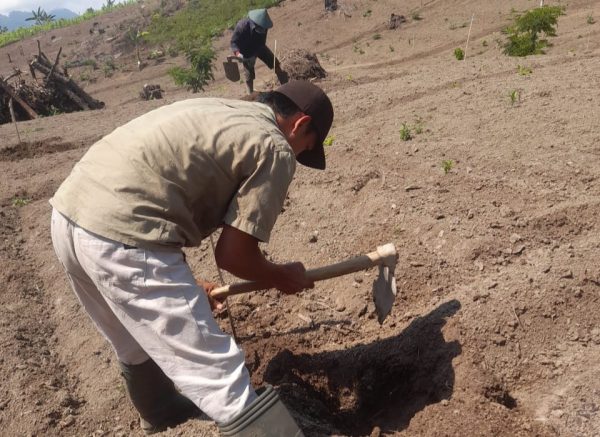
3	29
523	35
40	17
108	5
196	77
137	38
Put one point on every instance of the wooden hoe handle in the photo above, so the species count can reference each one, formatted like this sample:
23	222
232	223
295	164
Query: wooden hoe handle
383	255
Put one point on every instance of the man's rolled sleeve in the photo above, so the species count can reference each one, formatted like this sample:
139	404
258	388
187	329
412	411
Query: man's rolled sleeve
259	199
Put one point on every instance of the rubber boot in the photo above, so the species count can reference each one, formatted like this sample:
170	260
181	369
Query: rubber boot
265	417
250	86
155	397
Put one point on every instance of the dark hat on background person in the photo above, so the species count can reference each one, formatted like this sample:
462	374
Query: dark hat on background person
312	101
261	18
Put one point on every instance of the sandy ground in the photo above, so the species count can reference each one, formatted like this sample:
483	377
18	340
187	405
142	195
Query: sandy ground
495	328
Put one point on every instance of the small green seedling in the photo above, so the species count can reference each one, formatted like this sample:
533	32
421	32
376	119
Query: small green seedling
416	16
377	36
405	134
367	13
52	111
392	49
108	68
328	141
515	96
418	127
524	71
590	19
459	53
447	165
20	201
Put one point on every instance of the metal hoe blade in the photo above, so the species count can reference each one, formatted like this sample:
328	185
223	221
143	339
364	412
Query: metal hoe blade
384	292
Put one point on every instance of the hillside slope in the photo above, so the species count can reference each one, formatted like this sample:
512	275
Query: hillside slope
495	329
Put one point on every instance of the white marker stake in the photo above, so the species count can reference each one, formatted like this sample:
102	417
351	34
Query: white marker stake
275	60
14	119
468	36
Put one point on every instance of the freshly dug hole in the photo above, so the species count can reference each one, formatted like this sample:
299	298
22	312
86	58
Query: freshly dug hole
350	391
34	149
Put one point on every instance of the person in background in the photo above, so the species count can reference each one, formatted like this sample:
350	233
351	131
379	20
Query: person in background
248	42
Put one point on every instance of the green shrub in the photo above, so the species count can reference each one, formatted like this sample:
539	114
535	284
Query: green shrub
523	35
459	53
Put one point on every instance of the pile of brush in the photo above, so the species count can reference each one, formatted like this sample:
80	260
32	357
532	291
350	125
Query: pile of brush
51	92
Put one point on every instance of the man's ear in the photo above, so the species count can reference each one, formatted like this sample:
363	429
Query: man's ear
301	123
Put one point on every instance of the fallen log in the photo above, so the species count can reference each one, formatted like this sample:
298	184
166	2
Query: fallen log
8	90
78	101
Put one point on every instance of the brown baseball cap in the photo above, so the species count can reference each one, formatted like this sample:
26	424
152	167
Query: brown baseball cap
313	101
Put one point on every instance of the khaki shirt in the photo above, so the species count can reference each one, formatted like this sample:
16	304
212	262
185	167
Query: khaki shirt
173	175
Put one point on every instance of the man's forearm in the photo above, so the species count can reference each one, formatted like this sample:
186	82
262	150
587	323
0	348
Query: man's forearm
239	254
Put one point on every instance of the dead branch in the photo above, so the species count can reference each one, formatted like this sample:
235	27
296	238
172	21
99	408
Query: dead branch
53	66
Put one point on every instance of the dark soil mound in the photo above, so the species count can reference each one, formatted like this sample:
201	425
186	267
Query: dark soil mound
302	65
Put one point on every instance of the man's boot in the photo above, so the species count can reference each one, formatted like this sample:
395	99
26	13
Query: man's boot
155	397
265	417
250	86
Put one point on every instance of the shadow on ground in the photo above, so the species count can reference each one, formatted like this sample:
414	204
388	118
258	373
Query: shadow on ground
383	384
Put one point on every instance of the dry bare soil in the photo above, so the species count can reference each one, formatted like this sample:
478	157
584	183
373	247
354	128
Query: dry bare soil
495	328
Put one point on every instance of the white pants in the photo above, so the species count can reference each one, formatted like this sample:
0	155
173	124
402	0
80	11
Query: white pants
147	304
